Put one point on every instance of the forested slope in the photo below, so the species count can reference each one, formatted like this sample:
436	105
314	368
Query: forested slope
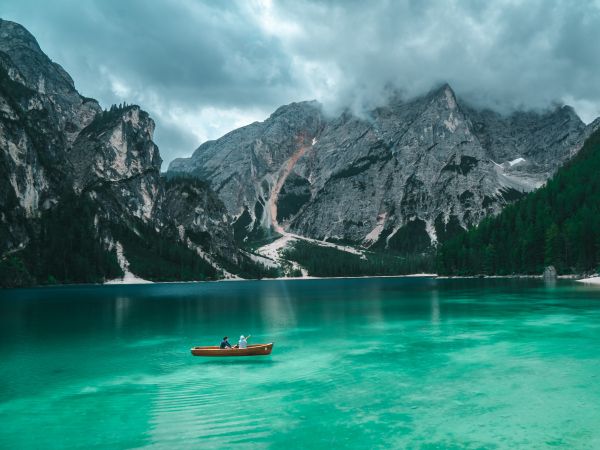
558	225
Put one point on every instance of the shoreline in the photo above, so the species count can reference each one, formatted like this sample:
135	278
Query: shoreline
226	280
590	280
140	281
558	277
135	281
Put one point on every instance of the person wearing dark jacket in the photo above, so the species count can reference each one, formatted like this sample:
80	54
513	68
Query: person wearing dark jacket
225	343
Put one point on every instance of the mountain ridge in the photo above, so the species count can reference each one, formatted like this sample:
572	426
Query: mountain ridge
484	159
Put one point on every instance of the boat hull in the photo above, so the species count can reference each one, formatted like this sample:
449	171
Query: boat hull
251	350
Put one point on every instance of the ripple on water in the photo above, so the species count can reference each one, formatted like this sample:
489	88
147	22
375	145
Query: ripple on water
211	412
550	320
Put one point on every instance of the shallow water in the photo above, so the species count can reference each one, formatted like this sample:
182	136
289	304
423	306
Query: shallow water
359	363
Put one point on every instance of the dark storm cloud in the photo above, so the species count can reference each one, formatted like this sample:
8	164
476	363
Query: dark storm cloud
504	54
179	60
202	68
179	48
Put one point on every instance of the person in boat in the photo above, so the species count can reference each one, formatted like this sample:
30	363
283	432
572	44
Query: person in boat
242	343
225	343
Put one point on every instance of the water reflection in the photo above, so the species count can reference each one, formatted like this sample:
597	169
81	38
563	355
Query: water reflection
376	313
276	306
435	307
122	305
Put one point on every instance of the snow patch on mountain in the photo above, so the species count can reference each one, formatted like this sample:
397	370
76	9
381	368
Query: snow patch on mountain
514	162
520	181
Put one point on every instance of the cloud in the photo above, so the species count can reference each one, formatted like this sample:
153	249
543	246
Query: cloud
505	54
199	68
202	68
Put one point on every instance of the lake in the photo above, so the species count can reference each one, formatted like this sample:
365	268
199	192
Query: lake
357	363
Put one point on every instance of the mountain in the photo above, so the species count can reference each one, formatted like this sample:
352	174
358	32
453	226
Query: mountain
557	225
404	177
248	166
82	198
81	195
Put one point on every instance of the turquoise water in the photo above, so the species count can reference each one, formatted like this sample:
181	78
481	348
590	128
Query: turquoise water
357	363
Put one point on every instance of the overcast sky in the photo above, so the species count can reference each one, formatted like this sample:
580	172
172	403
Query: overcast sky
203	68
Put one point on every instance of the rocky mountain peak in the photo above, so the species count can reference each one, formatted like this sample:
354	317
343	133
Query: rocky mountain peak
296	109
442	123
33	67
445	95
410	175
258	152
116	146
568	114
14	35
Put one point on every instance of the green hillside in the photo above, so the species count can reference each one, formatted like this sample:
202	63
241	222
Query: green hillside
558	225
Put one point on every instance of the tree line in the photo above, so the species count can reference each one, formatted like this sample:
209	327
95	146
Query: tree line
62	249
322	261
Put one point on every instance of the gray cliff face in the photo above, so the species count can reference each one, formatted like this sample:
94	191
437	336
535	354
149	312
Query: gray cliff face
407	176
54	142
243	166
545	142
117	165
200	216
115	156
40	113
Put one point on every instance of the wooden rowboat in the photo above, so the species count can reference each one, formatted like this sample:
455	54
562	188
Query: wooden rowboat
251	350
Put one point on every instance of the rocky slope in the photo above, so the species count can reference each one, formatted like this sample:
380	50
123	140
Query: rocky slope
61	152
405	177
244	166
200	218
553	230
40	115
